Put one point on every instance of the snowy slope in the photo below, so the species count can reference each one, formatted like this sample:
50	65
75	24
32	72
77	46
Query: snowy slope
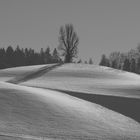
38	112
89	79
9	73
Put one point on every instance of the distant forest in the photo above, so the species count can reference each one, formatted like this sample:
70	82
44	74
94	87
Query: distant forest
10	57
129	61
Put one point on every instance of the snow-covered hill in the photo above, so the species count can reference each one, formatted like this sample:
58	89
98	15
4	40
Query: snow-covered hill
28	110
7	74
50	114
89	79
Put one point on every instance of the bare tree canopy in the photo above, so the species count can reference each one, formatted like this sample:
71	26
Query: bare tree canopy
68	42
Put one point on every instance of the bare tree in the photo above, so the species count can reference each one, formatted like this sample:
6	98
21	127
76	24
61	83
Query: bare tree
68	42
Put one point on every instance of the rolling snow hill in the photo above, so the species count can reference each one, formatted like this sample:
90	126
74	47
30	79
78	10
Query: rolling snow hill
89	79
49	114
9	73
28	110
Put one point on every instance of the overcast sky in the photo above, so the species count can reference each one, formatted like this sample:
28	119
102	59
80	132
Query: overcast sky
102	25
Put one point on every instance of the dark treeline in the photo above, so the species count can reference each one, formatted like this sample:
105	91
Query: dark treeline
10	57
129	61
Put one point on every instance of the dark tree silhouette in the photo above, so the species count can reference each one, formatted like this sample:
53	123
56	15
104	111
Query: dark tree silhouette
104	61
128	61
2	58
126	65
114	59
48	56
18	57
90	61
138	66
42	55
55	56
24	57
132	65
68	42
9	56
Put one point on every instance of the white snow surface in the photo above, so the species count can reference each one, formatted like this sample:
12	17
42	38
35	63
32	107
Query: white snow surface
39	113
9	73
89	79
51	114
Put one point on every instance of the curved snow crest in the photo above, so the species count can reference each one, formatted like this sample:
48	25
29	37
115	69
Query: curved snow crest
9	73
89	79
98	70
35	74
56	114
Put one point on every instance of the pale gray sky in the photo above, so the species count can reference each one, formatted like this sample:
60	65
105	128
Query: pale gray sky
102	25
